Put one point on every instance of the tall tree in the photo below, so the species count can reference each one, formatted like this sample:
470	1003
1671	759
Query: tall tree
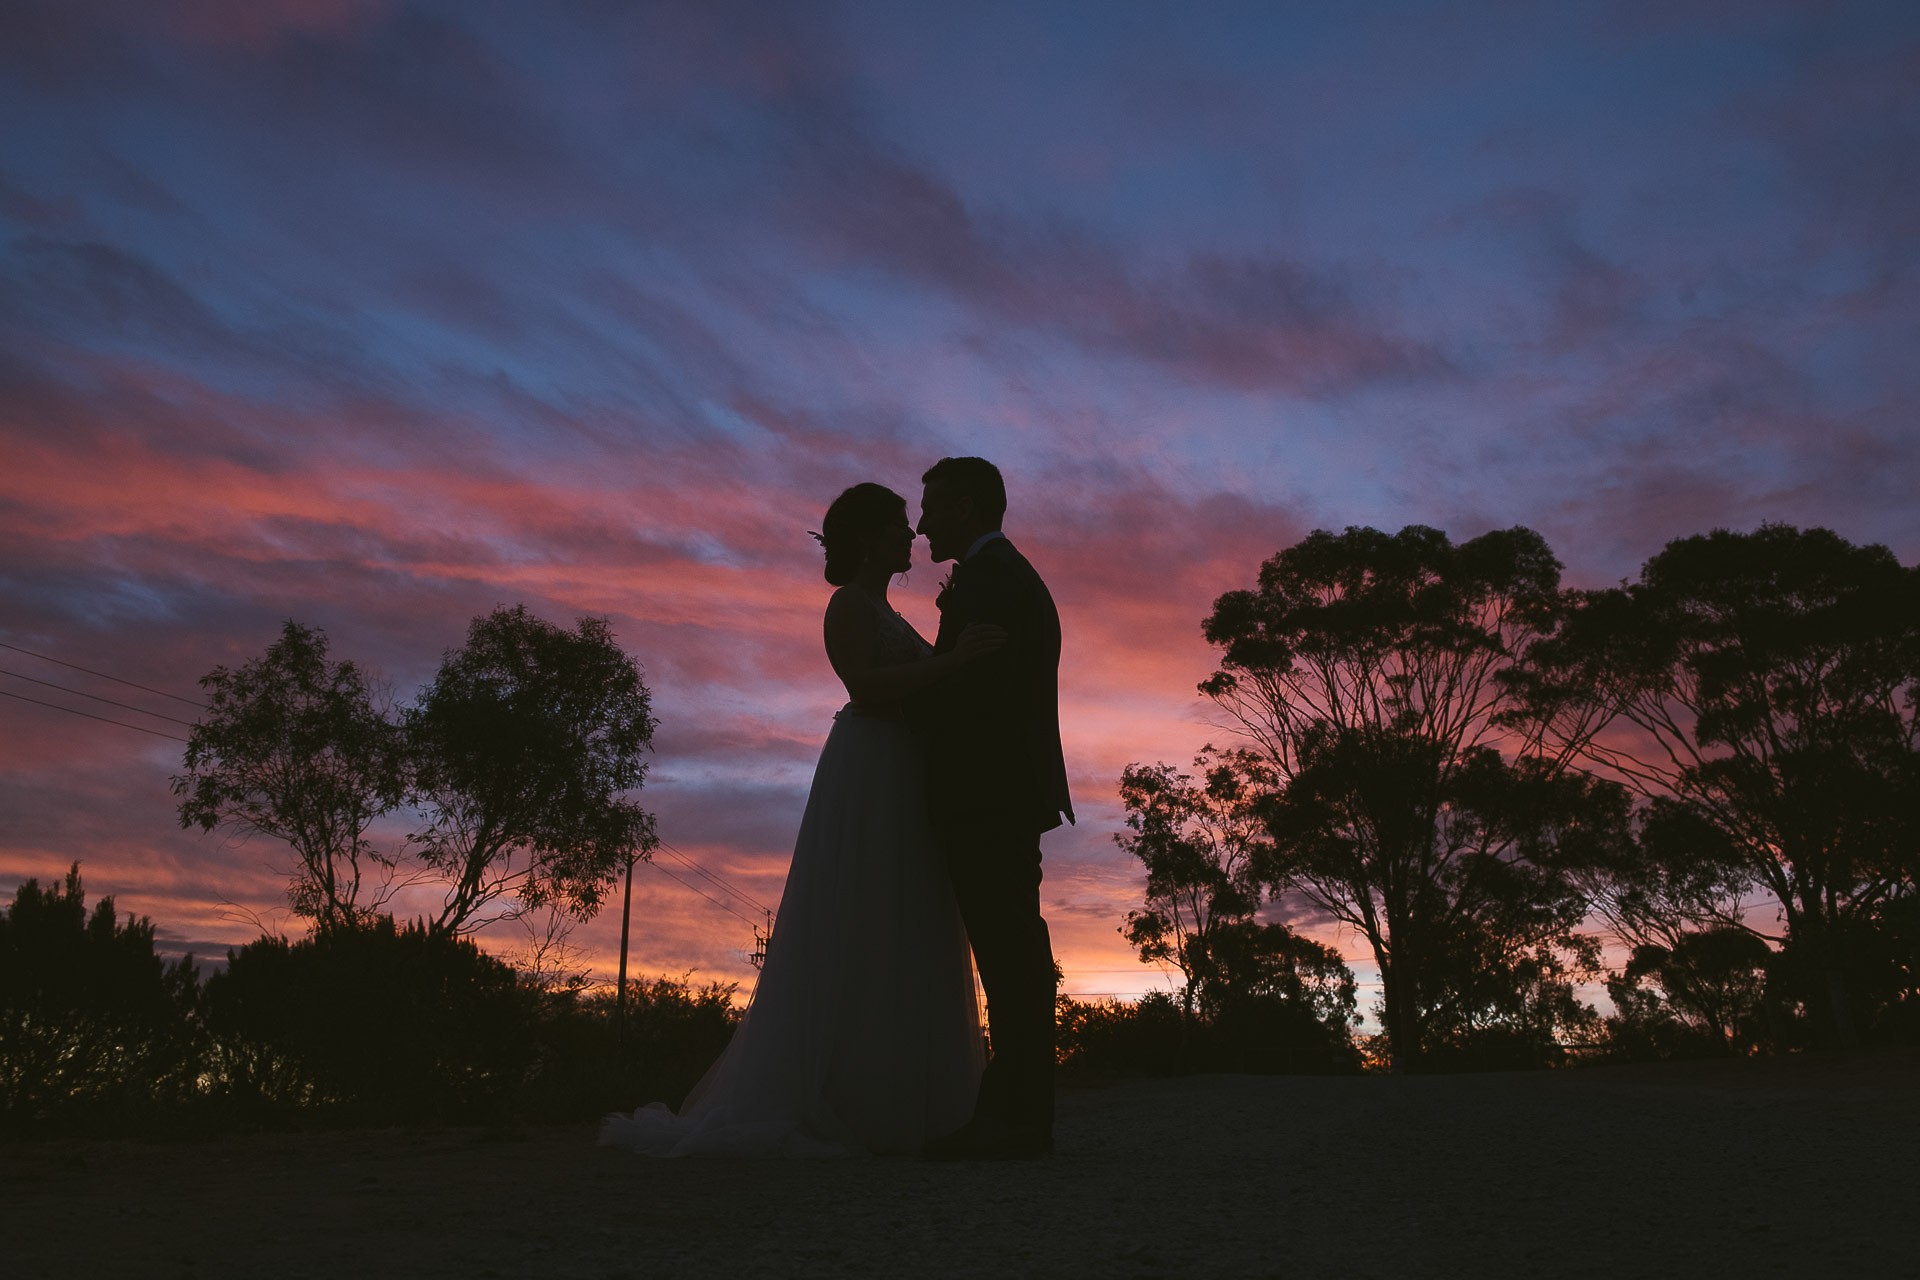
1366	668
294	747
1761	688
526	746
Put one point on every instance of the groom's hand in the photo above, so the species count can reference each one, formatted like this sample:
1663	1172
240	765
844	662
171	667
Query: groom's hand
979	640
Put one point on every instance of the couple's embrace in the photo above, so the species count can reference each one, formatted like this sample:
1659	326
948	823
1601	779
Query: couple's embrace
920	848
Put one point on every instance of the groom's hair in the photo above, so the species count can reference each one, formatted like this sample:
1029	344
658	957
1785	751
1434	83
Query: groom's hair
974	478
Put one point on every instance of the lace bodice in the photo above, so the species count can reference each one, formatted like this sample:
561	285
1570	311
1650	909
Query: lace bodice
899	642
895	644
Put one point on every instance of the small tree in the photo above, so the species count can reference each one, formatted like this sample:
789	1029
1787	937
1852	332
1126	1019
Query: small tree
1198	843
1269	997
524	748
1704	993
292	746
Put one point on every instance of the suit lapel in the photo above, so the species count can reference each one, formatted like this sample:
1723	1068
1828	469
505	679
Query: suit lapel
959	608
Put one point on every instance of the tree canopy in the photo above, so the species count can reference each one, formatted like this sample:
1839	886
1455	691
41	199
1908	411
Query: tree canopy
524	747
293	746
1759	689
519	760
1366	671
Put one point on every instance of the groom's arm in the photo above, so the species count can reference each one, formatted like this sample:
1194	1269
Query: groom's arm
933	708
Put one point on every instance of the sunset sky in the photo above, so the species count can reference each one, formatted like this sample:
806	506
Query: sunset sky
376	315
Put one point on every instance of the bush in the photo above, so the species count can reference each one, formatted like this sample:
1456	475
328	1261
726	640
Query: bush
1101	1041
589	1064
1105	1041
368	1022
96	1031
371	1023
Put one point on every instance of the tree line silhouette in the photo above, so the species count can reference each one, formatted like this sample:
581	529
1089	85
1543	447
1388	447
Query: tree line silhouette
1462	763
1482	775
364	1022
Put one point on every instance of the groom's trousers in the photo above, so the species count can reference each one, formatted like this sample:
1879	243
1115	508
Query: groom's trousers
996	877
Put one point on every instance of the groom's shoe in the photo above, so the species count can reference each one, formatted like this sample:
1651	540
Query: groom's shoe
1023	1144
958	1145
990	1142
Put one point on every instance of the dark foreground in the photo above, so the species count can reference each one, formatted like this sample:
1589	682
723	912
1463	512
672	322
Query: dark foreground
1796	1167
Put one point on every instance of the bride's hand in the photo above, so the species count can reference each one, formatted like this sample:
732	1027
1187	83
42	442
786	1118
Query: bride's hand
979	640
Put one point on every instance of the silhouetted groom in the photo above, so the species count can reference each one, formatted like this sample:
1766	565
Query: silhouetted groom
998	779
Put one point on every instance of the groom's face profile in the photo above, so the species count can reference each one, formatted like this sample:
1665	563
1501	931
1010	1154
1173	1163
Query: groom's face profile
946	518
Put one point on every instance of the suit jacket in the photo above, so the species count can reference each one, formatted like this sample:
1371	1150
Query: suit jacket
993	727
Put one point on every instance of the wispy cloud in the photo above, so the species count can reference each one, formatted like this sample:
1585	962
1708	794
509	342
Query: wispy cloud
378	315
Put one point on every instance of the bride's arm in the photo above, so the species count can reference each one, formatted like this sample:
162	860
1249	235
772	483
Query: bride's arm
853	644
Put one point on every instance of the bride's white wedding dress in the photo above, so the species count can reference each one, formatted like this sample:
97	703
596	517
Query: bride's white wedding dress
862	1034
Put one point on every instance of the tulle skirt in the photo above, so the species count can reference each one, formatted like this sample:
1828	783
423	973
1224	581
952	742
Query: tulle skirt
862	1034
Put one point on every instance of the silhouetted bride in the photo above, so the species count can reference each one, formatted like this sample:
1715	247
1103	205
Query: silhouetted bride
863	1034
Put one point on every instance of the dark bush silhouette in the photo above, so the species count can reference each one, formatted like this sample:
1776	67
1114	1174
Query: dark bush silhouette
96	1030
372	1023
1704	996
365	1022
1891	964
593	1061
1102	1041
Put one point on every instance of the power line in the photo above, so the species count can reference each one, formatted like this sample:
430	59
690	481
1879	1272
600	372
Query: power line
171	737
74	666
702	892
79	693
715	879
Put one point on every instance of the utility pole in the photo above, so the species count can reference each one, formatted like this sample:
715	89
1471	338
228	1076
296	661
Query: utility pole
760	940
626	920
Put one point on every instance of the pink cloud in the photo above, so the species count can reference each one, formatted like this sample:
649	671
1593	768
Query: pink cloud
710	580
261	24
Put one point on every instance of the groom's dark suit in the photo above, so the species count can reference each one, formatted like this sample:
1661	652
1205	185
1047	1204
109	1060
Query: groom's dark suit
999	779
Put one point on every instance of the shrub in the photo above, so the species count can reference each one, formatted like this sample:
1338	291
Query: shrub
371	1022
96	1030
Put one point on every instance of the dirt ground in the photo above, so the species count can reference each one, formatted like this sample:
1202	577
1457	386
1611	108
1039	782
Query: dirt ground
1798	1167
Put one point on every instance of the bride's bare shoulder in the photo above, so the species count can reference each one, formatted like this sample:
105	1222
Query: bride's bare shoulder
849	609
847	600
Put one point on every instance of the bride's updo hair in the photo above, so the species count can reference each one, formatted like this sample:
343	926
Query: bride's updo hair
861	510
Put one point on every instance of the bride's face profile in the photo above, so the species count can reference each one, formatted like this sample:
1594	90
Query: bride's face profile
890	547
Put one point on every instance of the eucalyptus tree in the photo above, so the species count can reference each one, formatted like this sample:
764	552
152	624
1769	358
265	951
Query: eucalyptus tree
1366	672
525	749
294	745
1198	842
1262	990
1760	690
1707	992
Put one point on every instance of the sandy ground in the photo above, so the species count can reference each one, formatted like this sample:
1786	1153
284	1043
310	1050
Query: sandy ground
1795	1168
